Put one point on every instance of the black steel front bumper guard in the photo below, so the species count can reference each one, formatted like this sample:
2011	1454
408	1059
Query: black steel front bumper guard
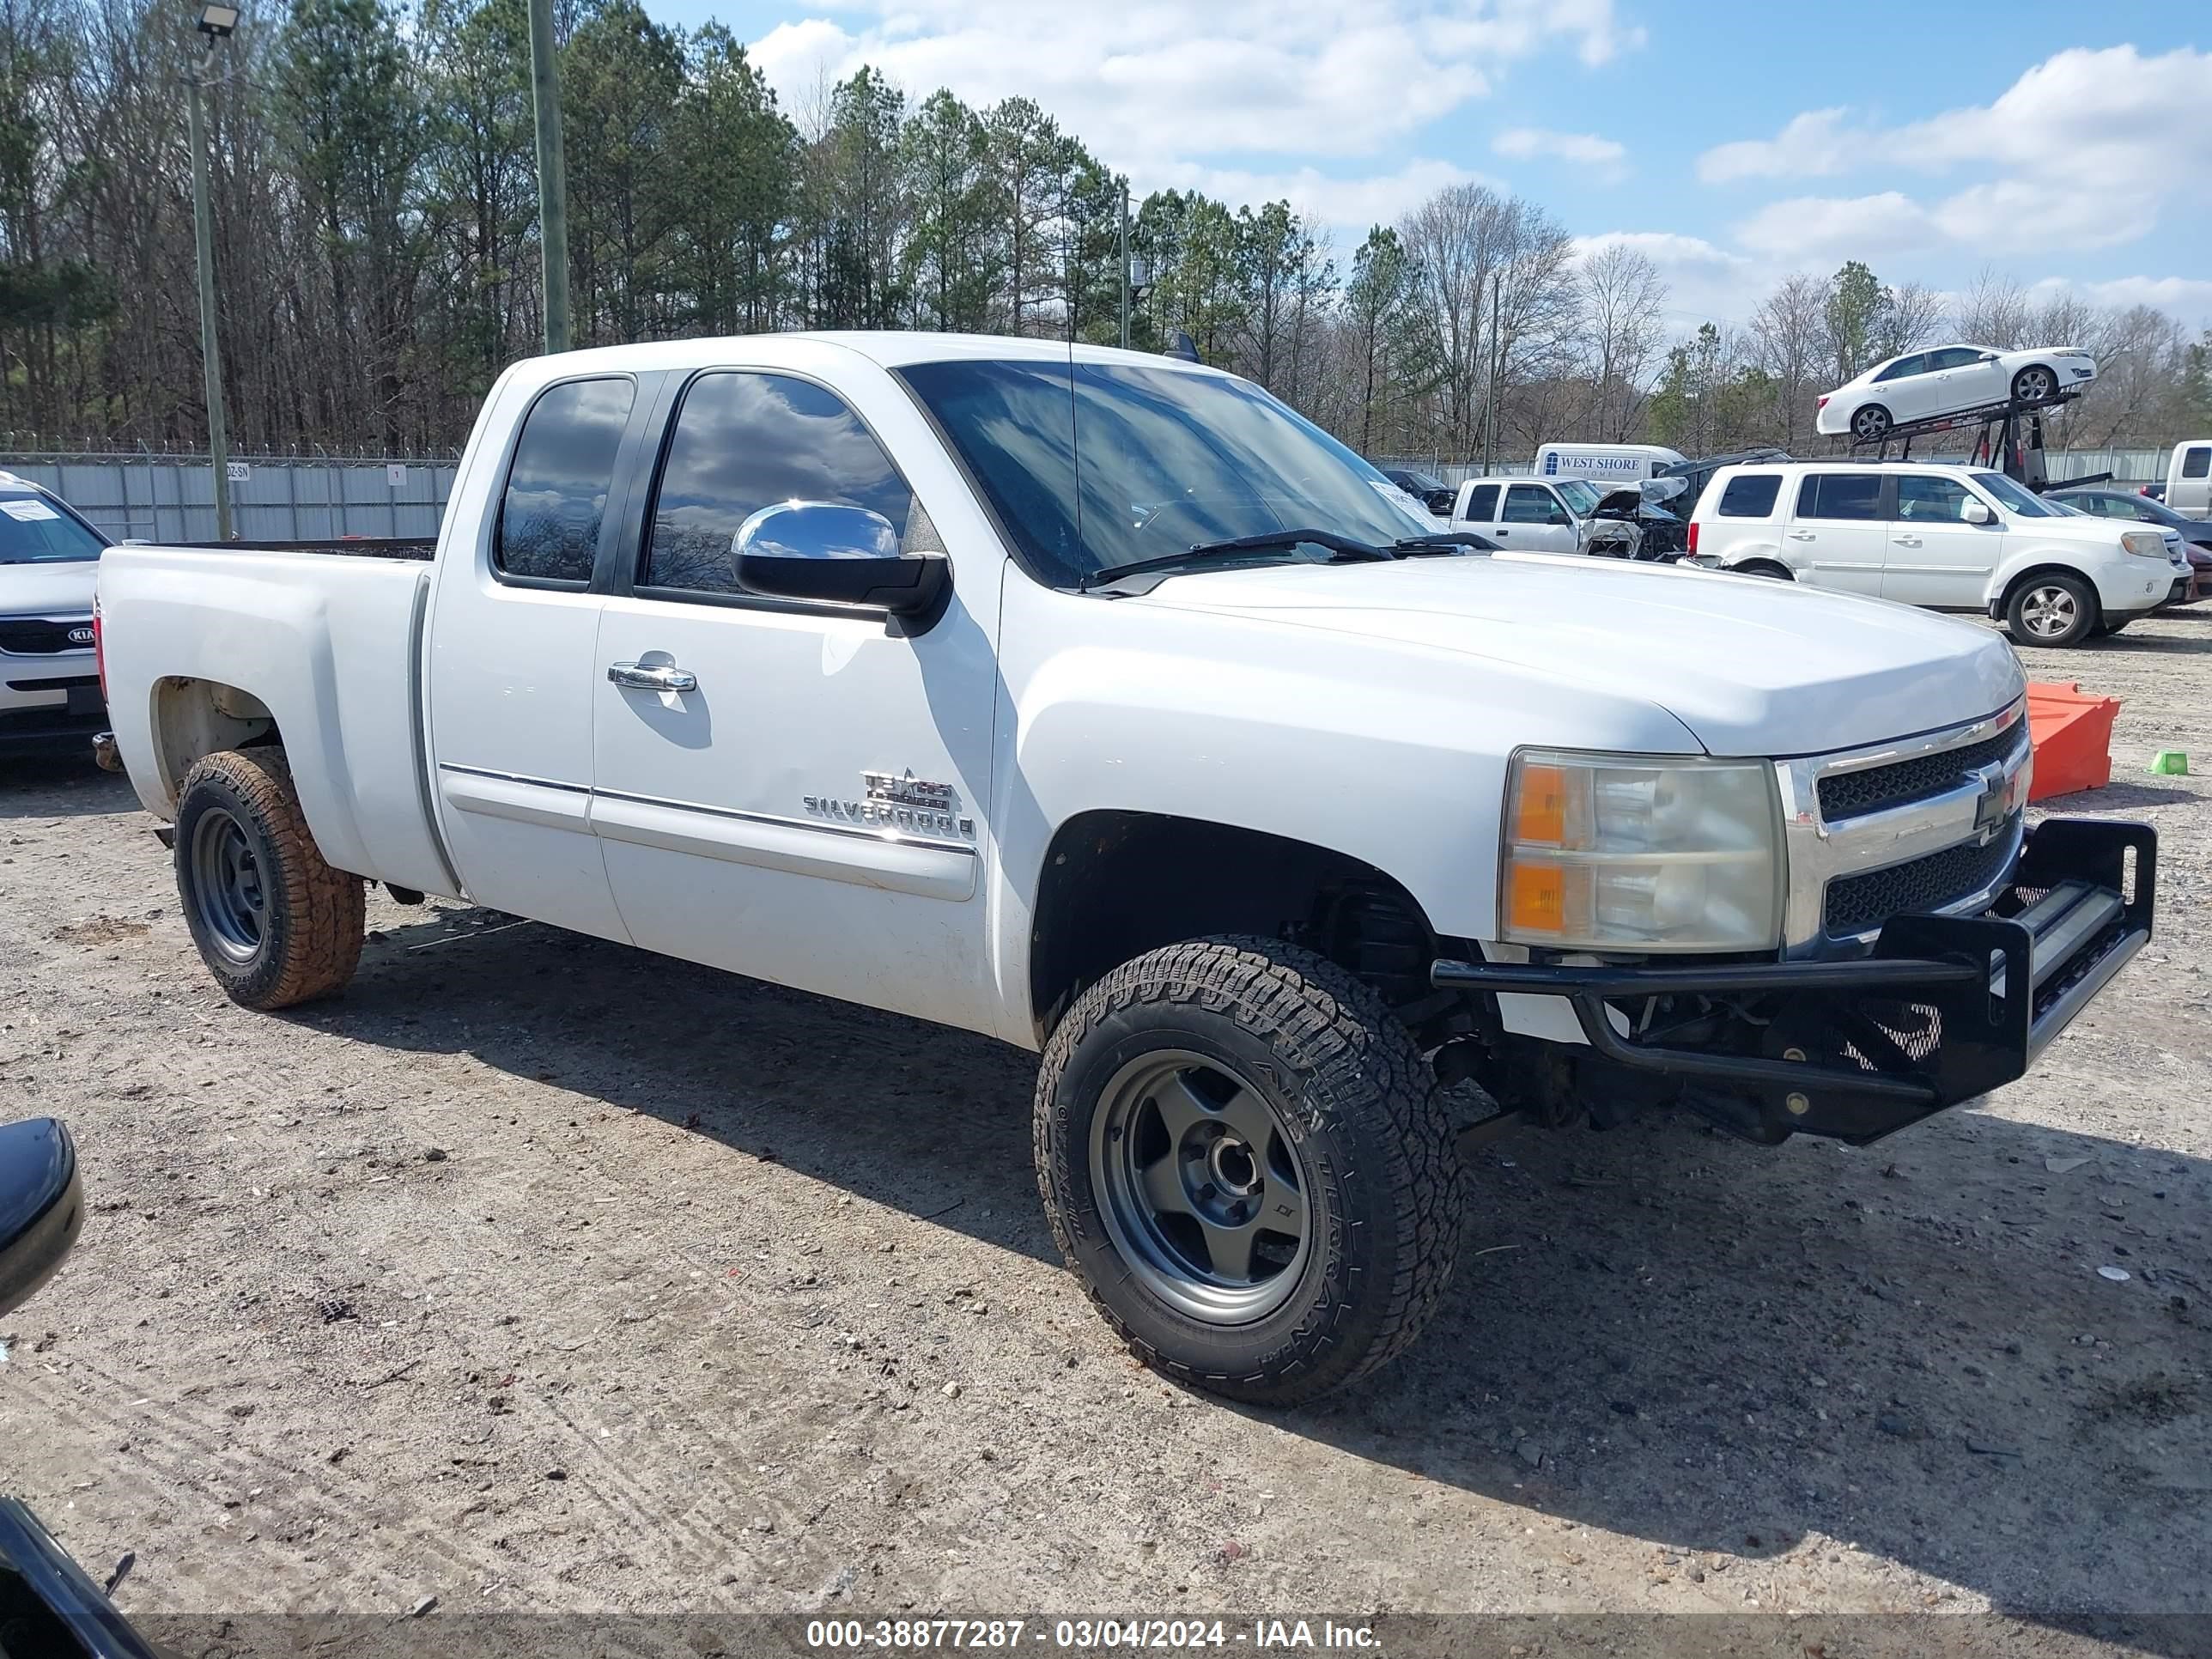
1944	1009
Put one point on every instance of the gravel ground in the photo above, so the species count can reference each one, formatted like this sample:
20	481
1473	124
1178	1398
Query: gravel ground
540	1275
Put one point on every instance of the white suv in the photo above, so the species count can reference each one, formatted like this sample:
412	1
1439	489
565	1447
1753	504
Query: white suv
1949	537
49	676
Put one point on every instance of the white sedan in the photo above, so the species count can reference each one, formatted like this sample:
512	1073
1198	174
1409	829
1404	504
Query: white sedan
1926	385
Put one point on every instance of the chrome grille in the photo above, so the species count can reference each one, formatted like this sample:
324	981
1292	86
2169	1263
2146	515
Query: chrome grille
1859	904
1923	824
1845	795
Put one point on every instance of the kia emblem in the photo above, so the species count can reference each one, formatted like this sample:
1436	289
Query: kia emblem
80	636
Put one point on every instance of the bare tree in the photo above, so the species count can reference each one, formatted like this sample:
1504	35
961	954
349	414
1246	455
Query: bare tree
1992	310
1789	335
1622	295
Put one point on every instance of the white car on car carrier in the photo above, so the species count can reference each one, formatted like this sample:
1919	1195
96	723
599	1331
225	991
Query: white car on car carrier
1954	379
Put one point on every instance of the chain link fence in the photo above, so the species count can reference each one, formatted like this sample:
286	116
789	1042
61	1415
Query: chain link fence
155	497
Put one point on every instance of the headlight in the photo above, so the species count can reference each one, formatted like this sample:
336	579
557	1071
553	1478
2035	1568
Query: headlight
2148	543
1619	853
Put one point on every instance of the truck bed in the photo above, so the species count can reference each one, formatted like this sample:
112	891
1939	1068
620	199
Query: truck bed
330	648
356	547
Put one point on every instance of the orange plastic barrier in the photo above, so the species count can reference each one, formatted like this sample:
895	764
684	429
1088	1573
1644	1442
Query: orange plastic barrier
2072	731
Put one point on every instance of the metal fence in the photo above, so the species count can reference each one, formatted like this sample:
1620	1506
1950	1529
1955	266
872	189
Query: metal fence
2128	467
273	498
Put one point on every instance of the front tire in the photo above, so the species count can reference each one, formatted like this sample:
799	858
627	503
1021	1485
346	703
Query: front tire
2034	385
1242	1154
2053	609
275	924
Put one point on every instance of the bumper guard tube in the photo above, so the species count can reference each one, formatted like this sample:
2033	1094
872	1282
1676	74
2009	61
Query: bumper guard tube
1943	1010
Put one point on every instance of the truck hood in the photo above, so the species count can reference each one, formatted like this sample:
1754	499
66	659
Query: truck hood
59	587
1751	666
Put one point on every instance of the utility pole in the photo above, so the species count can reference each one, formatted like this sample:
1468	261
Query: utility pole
552	179
215	22
1490	388
1125	264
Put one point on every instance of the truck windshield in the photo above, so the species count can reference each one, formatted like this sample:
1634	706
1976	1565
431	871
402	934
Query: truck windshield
2015	498
32	531
1095	466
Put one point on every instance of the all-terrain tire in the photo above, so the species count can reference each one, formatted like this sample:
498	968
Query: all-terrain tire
303	939
1358	1107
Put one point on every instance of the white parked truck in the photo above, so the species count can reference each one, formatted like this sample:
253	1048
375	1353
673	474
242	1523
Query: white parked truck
1101	704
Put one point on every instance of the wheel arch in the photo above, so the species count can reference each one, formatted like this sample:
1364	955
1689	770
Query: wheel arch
193	717
2007	584
1117	883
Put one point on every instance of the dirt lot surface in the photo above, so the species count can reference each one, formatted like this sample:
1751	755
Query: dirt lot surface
541	1274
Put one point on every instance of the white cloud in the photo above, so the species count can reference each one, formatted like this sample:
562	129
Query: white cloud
1603	155
1348	206
1812	143
1820	228
2189	298
1155	83
2085	149
1705	283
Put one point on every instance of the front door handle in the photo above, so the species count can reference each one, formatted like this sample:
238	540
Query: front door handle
640	677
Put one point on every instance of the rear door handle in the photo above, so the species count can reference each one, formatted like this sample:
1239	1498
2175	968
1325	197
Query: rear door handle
639	677
1907	541
1803	535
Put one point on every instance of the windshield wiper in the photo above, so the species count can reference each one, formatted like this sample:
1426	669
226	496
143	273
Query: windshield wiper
1340	547
1440	541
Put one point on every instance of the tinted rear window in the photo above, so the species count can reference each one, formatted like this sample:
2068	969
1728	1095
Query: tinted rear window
557	486
1750	495
1840	495
1482	502
2196	462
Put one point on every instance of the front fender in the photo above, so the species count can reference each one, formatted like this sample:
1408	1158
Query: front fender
1389	754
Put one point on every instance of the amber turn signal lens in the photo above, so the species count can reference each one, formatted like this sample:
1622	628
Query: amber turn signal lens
1539	898
1540	809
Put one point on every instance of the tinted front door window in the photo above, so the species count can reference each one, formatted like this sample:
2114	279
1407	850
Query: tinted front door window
1528	504
745	442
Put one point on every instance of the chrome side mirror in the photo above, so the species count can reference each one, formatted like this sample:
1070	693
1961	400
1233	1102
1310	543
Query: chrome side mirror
824	553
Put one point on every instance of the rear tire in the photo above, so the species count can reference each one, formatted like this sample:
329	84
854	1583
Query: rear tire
2052	609
1764	568
1871	424
1242	1154
275	924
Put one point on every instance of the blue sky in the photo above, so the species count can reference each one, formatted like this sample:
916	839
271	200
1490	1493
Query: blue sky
1732	142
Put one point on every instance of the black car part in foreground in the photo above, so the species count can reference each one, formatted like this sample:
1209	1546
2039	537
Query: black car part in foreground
47	1603
1944	1009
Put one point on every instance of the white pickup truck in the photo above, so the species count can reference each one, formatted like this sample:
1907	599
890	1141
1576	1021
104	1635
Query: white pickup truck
1103	704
